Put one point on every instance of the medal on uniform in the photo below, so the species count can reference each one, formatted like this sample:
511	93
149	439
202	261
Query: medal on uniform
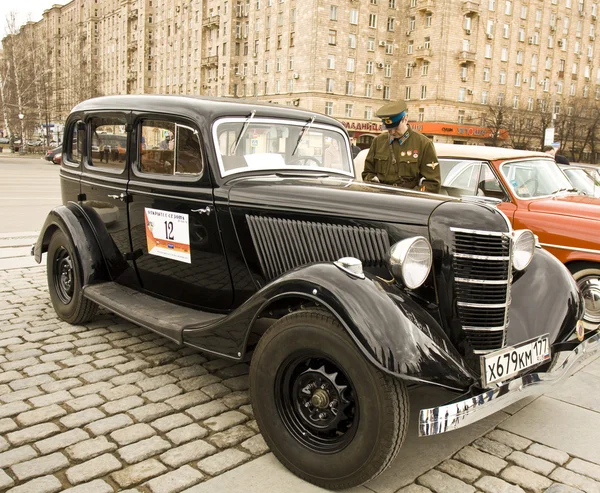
415	155
403	153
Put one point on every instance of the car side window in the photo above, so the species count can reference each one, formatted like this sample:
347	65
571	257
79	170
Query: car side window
109	142
168	148
77	137
489	185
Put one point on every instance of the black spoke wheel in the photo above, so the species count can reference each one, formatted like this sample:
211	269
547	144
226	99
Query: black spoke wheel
64	281
328	414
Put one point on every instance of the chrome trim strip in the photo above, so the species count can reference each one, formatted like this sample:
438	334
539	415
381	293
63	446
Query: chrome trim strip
453	416
484	351
482	305
484	329
480	232
478	281
560	247
480	257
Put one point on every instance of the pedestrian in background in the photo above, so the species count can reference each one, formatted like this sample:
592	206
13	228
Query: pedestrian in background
552	150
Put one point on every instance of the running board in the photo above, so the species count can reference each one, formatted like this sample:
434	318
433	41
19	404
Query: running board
162	317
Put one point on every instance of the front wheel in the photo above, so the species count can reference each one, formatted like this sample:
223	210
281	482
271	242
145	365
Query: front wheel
587	276
64	281
327	414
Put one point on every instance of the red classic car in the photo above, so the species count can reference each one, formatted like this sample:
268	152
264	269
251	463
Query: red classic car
535	194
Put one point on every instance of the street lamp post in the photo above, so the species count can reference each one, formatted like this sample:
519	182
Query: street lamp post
22	146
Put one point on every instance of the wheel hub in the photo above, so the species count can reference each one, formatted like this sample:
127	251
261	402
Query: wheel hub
590	289
320	399
63	275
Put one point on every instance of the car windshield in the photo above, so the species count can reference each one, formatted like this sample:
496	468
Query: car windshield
250	144
535	178
587	181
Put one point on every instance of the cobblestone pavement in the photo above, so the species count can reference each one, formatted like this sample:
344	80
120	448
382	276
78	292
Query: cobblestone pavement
111	407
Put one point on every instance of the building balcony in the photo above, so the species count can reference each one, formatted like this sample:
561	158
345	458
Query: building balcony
425	6
210	61
212	21
471	7
132	45
423	53
132	14
131	75
467	57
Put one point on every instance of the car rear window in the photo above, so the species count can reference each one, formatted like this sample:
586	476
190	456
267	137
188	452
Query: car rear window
109	143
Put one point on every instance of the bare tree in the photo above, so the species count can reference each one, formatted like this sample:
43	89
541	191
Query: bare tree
519	128
498	120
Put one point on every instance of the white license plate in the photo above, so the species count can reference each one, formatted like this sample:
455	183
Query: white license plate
506	363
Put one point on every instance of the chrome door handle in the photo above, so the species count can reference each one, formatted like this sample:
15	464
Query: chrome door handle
206	210
121	196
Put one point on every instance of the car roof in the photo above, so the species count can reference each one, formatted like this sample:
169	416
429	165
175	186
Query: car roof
203	106
483	152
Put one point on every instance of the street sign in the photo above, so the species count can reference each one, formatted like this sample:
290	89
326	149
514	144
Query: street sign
549	136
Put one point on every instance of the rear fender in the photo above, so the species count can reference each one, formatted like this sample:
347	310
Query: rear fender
392	331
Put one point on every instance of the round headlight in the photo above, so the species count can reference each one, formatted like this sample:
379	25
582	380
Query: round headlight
410	261
523	248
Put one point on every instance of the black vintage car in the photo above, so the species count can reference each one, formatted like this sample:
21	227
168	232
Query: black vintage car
238	229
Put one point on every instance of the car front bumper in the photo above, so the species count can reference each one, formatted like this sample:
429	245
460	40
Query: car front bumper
450	417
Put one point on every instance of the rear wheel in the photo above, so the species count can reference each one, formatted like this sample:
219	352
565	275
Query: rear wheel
327	414
64	282
587	276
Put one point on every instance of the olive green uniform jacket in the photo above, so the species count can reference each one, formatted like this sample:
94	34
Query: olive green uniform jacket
415	159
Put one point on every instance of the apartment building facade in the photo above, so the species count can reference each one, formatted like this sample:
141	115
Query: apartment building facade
451	60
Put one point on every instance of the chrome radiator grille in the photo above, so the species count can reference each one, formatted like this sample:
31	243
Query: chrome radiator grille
482	270
283	244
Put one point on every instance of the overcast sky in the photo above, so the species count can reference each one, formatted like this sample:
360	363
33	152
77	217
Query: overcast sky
25	10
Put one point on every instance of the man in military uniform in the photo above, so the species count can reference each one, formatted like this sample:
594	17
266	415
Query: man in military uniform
401	156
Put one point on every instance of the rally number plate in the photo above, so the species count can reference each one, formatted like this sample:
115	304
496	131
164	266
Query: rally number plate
506	363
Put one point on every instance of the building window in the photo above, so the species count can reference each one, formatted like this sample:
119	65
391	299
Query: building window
488	51
411	23
502	77
368	113
278	64
386	92
506	31
390	24
461	117
331	38
410	47
500	99
392	4
292	38
348	110
369	67
428	18
349	88
354	16
484	97
350	65
352	41
530	104
523	12
515	102
518	79
329	85
421	116
373	21
423	92
559	87
492	5
519	58
407	93
369	90
333	13
331	62
425	68
532	80
486	74
461	94
388	70
291	63
504	54
329	109
508	7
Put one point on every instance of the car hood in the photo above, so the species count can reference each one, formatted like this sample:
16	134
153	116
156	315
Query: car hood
335	196
580	206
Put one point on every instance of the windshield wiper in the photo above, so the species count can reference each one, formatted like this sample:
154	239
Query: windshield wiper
302	132
242	132
564	190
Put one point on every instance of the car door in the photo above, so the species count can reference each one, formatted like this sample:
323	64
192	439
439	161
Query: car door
104	180
174	229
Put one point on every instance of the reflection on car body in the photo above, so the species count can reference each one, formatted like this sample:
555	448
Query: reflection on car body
247	237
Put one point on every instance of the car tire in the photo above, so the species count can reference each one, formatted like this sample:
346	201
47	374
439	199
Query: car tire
327	413
587	276
64	282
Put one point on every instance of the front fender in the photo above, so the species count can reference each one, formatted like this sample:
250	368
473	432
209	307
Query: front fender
69	219
391	330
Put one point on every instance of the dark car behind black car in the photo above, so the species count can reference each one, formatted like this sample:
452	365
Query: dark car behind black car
52	152
238	229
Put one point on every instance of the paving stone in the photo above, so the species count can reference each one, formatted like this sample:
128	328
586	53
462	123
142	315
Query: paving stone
120	392
586	468
92	469
73	371
110	362
480	460
175	481
47	484
39	369
231	437
489	484
7	424
128	378
89	449
162	393
143	449
207	410
99	375
6	481
55	356
216	390
196	383
171	422
162	358
237	383
532	463
247	409
223	461
414	488
13	408
96	486
154	383
139	472
24	383
40	466
89	341
453	467
528	480
58	347
492	447
571	478
9	376
94	388
253	425
189	399
123	405
40	415
132	434
82	418
551	454
20	395
32	433
85	402
513	441
135	365
218	364
187	433
562	488
225	420
53	398
192	359
442	483
257	446
189	372
16	455
68	384
77	360
30	353
106	425
236	399
189	452
4	445
150	412
61	441
19	364
160	370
